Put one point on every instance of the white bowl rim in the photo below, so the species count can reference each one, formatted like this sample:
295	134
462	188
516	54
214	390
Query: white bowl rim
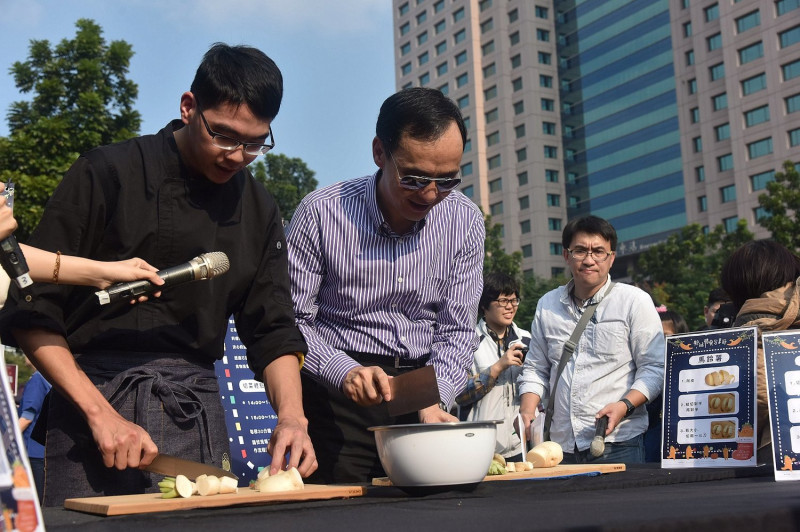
459	424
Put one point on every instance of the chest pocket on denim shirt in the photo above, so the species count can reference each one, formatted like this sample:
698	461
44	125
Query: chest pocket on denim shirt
610	338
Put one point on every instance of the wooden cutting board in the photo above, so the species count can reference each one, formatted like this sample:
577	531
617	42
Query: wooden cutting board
152	502
543	472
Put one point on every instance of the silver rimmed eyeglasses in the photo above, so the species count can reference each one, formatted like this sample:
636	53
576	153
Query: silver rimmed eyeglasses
225	142
599	255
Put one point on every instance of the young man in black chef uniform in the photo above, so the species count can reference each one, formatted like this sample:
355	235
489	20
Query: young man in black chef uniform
135	380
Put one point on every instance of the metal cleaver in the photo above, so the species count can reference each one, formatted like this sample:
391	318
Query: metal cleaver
172	466
413	391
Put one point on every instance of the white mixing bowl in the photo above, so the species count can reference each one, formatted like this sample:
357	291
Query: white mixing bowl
436	454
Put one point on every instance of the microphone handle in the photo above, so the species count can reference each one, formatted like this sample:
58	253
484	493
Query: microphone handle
172	276
14	263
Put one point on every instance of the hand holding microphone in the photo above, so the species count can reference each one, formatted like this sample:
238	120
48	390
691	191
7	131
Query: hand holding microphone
202	267
11	257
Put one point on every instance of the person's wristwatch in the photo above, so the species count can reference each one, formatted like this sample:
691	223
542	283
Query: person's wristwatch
629	406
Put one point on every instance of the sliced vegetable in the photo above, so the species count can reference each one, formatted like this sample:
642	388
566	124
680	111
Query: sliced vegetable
546	454
184	487
283	480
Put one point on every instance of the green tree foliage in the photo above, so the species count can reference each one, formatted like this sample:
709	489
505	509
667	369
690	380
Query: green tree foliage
533	288
288	179
80	98
680	272
495	258
782	205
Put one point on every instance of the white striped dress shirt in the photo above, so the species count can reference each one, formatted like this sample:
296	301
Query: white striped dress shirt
359	287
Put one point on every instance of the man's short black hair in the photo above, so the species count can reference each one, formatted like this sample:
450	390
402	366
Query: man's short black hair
239	75
496	284
591	225
419	112
718	295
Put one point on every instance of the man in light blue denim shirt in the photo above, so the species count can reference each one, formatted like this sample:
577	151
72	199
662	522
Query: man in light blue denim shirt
618	364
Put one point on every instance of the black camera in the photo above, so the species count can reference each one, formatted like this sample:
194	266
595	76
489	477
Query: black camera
724	317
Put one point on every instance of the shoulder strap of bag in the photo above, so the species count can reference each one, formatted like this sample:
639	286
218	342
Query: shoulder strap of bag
566	354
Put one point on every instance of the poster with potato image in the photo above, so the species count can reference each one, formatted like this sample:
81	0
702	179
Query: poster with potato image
710	399
782	359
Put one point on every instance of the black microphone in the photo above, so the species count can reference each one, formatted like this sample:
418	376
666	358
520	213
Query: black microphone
11	257
205	266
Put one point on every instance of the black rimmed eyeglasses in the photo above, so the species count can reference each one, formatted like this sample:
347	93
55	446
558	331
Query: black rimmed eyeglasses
413	182
225	142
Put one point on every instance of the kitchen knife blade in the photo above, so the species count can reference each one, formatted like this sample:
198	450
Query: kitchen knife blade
172	466
413	391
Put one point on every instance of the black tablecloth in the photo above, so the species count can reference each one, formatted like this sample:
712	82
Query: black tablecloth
641	498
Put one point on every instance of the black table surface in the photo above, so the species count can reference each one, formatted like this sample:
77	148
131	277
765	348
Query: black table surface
644	497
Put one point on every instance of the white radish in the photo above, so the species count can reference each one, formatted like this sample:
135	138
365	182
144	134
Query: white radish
546	454
281	481
183	486
228	485
207	485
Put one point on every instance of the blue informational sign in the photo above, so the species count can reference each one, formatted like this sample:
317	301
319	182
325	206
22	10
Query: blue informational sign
782	359
710	399
248	415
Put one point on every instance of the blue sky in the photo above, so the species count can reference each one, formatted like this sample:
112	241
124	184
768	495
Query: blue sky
336	57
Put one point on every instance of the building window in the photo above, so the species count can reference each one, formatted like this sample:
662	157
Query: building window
794	137
759	148
554	224
406	69
789	37
519	131
494	162
702	204
784	6
730	224
496	209
541	12
484	5
694	114
791	70
516	85
728	193
748	21
553	200
524	203
542	35
492	115
468	145
513	16
697	144
556	272
405	48
550	152
487	25
700	173
516	61
441	48
525	226
438	6
756	116
461	58
759	181
548	104
489	70
522	155
754	84
458	14
405	28
556	248
496	185
403	9
545	81
711	12
720	101
466	169
463	101
462	80
440	26
551	176
722	132
549	128
513	39
445	89
760	213
468	191
714	42
725	162
717	71
467	121
689	58
522	178
422	38
792	103
687	29
493	138
519	107
459	36
692	86
544	58
441	69
422	17
424	79
487	48
490	93
423	58
408	85
751	53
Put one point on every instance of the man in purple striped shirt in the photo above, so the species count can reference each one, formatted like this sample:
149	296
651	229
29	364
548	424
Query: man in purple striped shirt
386	275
